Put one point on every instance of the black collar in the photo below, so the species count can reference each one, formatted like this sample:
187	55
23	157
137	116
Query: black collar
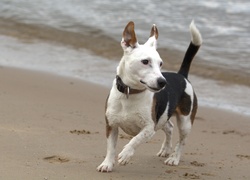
123	88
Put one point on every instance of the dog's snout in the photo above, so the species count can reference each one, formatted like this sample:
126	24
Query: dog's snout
161	82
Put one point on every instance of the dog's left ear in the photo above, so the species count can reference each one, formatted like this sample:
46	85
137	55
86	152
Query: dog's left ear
152	41
129	37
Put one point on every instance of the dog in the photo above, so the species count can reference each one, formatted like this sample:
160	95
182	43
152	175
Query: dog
142	98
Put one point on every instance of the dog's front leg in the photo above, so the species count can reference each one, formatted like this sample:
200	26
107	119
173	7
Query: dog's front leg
108	163
129	149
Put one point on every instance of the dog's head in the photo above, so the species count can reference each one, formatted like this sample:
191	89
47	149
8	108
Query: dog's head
141	63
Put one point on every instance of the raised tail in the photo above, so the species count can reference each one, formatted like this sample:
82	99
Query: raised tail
196	41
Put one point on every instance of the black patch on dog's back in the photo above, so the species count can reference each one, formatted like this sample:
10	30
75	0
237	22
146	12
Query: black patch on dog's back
170	95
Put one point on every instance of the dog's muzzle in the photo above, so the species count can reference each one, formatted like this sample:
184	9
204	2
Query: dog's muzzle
161	83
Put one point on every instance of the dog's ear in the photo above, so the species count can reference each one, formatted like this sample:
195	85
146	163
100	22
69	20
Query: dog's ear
152	41
129	37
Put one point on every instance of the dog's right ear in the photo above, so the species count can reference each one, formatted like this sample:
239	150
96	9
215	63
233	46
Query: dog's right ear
129	37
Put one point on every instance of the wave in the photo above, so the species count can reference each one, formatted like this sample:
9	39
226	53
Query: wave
99	43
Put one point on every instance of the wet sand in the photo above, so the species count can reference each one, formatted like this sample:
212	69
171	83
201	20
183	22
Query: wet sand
53	127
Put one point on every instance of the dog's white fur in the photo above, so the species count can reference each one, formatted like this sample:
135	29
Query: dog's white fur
134	114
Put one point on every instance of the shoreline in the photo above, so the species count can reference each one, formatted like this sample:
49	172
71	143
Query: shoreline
53	127
102	45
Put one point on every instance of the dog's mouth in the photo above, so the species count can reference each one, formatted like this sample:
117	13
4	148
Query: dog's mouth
153	89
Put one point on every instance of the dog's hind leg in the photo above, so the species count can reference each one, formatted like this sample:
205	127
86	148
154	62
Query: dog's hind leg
166	146
184	126
108	163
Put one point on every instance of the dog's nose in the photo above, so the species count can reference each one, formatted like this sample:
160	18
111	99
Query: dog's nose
161	82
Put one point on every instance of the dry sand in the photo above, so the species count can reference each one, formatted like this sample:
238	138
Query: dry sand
53	127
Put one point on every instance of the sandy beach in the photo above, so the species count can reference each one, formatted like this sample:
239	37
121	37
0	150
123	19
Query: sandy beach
53	127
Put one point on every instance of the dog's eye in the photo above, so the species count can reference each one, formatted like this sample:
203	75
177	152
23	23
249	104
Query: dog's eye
160	64
145	61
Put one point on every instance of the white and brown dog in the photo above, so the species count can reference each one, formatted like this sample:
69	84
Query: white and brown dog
143	99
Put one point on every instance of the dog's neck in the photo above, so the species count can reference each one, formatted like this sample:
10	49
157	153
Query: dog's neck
123	88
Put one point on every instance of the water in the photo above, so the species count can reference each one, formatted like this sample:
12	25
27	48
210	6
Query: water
224	26
53	58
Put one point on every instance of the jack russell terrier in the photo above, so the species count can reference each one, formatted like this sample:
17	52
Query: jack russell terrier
142	98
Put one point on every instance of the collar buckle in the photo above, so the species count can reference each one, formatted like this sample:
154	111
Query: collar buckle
127	93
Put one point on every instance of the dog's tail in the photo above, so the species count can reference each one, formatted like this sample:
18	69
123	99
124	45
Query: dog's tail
196	41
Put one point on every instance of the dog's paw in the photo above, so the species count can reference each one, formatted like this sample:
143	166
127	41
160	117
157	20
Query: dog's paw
105	167
125	155
163	152
173	159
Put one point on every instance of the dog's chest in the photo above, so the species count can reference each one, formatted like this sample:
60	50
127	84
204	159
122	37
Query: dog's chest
131	115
